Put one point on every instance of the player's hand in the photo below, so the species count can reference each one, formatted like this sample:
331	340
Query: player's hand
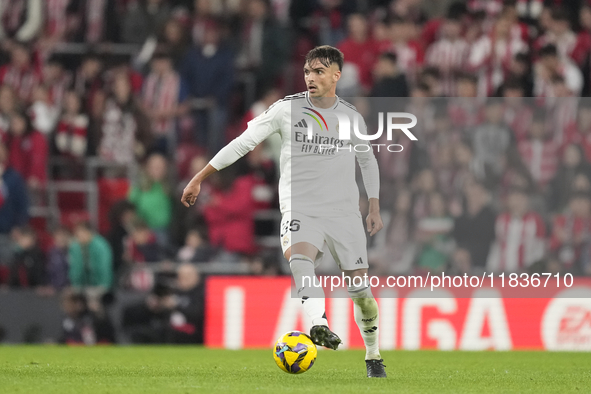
374	223
190	193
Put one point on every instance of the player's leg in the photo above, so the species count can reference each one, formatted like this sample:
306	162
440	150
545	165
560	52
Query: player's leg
301	258
367	317
347	243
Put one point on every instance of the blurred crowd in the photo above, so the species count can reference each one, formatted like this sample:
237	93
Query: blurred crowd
495	182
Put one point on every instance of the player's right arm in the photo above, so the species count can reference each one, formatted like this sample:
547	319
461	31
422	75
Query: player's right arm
258	130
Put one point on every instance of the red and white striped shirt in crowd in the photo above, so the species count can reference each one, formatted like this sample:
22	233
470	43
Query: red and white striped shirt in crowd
491	57
563	113
57	89
519	119
95	15
519	242
449	57
56	18
541	159
161	93
22	81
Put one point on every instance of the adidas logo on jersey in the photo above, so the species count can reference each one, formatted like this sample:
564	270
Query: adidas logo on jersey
301	123
359	261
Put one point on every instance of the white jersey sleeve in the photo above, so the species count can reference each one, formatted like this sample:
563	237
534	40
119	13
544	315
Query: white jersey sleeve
259	129
368	163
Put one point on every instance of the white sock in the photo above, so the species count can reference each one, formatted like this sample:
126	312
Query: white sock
367	317
302	269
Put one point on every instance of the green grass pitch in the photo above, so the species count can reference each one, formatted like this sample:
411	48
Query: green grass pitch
129	370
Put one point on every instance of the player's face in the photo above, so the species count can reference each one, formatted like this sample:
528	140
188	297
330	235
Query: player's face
321	80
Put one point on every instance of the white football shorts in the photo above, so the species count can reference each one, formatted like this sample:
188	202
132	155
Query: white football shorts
344	236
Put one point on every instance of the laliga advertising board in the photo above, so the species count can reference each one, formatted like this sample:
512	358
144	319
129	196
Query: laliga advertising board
244	312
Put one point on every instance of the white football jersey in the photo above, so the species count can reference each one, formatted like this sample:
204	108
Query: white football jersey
317	175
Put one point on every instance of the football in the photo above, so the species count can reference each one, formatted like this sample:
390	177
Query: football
295	352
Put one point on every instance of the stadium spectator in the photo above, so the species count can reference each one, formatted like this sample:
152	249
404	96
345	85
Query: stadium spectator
519	236
520	70
433	236
21	74
229	213
570	240
43	112
144	19
121	217
449	54
164	96
57	80
13	204
539	151
264	44
389	81
91	259
209	73
142	245
186	319
170	314
196	248
398	250
360	48
28	265
82	325
518	112
491	140
58	24
423	186
57	259
579	132
71	135
466	111
96	21
572	164
409	52
560	34
126	132
474	230
29	153
151	196
549	65
22	20
204	15
88	79
8	105
491	56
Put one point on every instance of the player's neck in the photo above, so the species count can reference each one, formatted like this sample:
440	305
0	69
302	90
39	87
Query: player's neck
324	102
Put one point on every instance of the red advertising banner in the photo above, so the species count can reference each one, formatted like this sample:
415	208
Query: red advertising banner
252	312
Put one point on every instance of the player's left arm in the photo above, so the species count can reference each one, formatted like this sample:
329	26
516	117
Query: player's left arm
371	179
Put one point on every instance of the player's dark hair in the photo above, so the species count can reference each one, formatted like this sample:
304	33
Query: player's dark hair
326	55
